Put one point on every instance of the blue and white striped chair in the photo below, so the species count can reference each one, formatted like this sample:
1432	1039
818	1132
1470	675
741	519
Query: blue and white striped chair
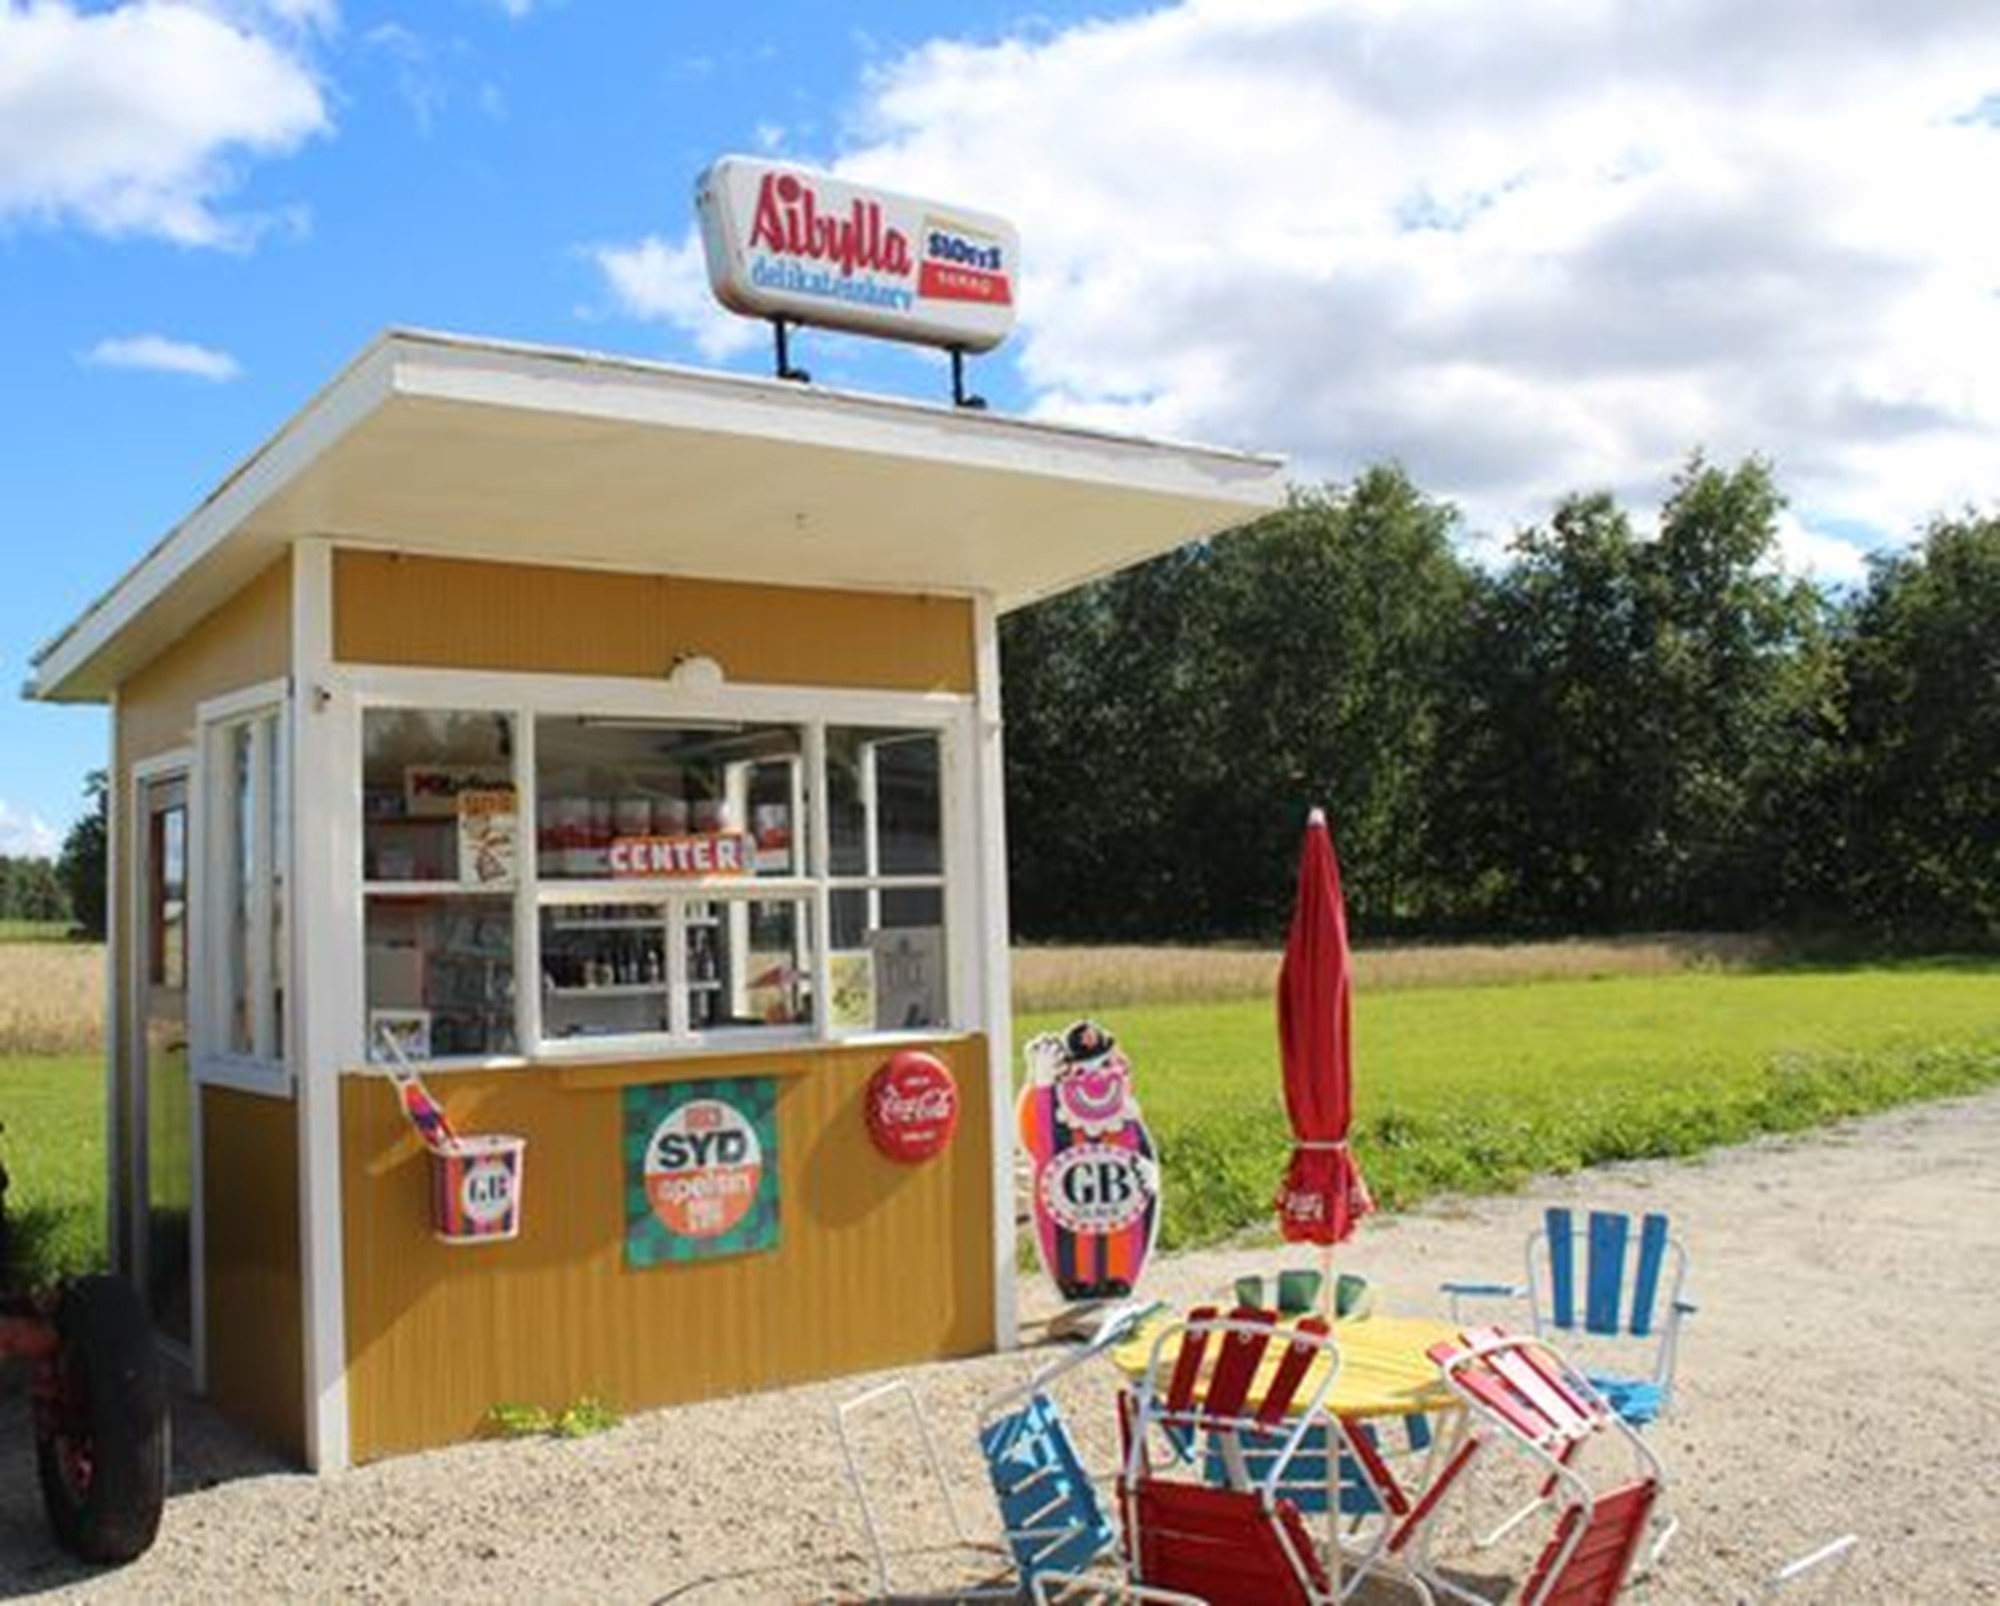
1613	1299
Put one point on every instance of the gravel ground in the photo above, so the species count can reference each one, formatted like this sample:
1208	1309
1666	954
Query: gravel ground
1837	1378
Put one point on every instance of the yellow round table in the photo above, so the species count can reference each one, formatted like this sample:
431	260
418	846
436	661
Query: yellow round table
1385	1365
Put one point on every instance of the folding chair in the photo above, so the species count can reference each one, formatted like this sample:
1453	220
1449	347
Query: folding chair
1254	1393
1630	1311
1050	1514
1520	1393
1052	1519
1366	1476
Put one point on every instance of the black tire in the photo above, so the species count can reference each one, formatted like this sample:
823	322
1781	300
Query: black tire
102	1450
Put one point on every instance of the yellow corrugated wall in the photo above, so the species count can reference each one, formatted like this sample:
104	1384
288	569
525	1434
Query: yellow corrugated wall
251	1268
877	1263
450	613
256	1334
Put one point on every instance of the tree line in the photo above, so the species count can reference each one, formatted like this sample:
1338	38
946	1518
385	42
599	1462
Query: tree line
1612	730
30	889
69	889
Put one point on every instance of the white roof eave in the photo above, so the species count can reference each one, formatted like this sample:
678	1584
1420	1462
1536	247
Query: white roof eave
443	444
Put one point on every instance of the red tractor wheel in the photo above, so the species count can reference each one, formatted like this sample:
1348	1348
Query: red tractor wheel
101	1424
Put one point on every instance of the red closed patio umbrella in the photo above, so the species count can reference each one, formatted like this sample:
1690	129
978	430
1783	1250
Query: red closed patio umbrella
1323	1194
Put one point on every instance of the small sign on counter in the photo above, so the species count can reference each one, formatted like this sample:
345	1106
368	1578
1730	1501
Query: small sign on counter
488	838
710	853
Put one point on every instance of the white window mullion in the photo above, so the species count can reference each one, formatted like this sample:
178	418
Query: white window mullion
527	882
871	843
812	848
679	973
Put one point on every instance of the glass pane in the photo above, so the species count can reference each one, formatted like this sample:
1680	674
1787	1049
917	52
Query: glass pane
436	791
887	964
604	969
242	878
885	812
167	926
441	975
169	1176
657	800
277	835
750	963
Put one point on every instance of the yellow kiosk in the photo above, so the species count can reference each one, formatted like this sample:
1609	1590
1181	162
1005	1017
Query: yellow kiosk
617	747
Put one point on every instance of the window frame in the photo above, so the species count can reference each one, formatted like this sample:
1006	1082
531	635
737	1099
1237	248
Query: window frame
216	882
525	698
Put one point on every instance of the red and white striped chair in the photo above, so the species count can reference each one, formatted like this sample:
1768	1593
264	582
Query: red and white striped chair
1522	1395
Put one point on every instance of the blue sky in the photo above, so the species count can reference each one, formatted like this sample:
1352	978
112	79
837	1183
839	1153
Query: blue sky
1524	249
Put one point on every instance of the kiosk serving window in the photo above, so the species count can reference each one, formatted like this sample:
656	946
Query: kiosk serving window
651	837
440	866
669	882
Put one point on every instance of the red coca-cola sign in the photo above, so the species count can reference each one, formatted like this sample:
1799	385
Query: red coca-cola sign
912	1106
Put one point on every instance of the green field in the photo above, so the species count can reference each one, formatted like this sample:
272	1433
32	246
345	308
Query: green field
1460	1089
53	1146
1478	1088
34	931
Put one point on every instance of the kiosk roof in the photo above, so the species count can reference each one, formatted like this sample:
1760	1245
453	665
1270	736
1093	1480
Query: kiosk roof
476	448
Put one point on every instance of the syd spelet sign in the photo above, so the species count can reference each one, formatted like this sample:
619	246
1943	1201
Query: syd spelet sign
785	242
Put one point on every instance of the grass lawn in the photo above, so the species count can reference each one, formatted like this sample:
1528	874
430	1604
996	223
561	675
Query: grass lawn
1478	1088
53	1146
34	931
1459	1088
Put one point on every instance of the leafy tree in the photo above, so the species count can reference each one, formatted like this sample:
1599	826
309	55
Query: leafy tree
30	890
1923	651
1168	728
1637	720
1543	819
1611	732
1335	618
1741	689
83	866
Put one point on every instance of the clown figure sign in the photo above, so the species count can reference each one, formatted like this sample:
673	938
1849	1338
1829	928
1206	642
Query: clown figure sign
1096	1190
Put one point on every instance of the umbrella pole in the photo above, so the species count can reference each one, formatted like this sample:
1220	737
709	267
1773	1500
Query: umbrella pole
1334	1436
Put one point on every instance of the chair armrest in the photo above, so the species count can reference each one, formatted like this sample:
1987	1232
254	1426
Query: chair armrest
1462	1291
1833	1558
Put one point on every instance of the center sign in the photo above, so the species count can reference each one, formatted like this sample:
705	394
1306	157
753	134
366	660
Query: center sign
787	243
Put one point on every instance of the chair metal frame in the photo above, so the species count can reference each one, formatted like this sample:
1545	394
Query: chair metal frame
844	1413
1519	1390
1654	1311
1223	1409
1028	1546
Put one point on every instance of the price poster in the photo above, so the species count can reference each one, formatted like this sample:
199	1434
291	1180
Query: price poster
701	1170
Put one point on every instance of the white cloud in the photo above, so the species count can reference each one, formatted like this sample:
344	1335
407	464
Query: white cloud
656	280
162	355
1818	554
136	120
25	835
1525	249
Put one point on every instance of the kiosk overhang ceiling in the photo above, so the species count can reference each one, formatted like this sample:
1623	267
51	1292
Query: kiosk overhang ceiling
449	446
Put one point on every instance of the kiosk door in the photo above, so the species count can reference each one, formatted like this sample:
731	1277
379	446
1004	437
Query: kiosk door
163	1116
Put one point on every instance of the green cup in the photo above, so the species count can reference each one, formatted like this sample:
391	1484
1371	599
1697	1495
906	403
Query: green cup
1352	1297
1250	1292
1298	1292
